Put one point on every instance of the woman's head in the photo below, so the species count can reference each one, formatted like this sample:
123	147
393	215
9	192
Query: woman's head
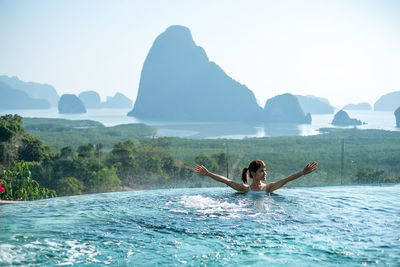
252	169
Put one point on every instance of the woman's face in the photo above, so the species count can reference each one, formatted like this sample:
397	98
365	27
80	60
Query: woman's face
260	174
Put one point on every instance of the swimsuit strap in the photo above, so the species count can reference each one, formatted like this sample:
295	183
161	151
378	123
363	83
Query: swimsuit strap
253	191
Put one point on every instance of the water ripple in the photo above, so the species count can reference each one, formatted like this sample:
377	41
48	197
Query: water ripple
351	225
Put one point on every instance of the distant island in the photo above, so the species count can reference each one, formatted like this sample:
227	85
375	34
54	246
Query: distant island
315	105
33	90
285	109
360	106
11	98
70	104
388	102
397	115
117	101
341	118
17	94
179	82
91	99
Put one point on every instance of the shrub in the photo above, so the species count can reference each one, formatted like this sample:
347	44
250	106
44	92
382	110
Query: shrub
105	180
19	185
9	126
69	186
206	160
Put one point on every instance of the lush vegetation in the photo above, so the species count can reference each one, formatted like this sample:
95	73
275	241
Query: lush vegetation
129	157
18	184
17	146
364	151
60	133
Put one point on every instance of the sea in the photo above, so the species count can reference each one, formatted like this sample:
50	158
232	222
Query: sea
384	120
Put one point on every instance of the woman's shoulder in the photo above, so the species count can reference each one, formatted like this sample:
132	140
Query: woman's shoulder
237	186
245	188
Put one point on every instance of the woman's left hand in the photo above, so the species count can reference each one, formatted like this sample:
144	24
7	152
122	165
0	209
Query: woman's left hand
310	168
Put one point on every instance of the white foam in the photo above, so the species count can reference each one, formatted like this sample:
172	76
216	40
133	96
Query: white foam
211	206
10	254
52	243
205	203
78	250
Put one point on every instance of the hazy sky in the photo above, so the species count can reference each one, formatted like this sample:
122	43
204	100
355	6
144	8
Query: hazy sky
345	50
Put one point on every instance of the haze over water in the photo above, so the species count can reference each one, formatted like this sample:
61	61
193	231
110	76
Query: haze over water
384	120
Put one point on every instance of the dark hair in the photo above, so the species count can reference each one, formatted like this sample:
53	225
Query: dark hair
253	167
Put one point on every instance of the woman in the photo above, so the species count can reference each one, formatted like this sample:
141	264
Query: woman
258	172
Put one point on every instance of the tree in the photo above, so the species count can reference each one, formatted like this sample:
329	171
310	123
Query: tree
168	165
105	180
149	162
86	151
10	129
221	160
69	186
123	159
32	149
67	152
207	161
9	126
7	156
369	176
162	142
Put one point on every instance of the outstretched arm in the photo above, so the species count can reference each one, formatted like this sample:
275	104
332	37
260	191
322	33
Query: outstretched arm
203	171
278	184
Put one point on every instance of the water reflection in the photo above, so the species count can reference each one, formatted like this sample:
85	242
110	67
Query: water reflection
233	130
282	129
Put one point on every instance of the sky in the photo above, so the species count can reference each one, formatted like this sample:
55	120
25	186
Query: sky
347	51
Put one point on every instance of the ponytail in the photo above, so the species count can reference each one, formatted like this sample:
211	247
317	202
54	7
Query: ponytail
244	175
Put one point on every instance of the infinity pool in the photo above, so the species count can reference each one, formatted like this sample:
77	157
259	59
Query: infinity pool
314	226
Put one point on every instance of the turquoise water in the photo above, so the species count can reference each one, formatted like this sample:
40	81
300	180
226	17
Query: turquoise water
349	226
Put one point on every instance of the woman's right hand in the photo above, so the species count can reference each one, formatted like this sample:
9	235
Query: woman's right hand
200	169
310	168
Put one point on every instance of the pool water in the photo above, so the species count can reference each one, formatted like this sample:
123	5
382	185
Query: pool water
307	226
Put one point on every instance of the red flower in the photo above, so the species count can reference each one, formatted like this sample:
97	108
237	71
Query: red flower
2	189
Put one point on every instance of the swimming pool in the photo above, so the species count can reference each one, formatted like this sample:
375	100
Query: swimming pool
346	225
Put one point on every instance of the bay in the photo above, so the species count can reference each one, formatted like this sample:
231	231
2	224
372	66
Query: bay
383	120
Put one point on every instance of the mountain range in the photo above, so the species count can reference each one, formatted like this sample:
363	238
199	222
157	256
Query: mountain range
32	89
17	94
11	98
178	82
